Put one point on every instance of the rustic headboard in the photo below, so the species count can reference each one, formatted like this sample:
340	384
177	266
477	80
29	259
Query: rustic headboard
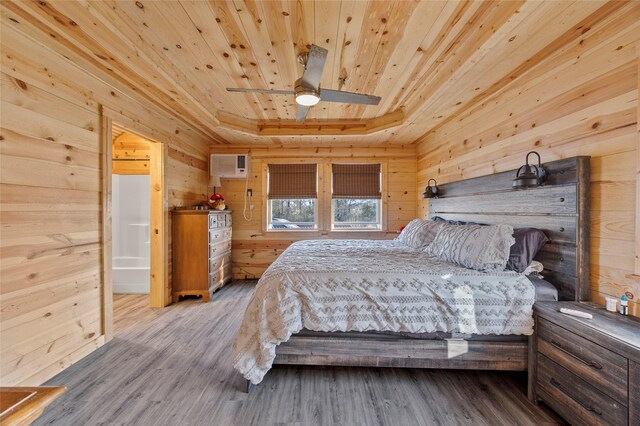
560	208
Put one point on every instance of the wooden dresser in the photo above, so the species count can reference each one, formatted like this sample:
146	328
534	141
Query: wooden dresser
201	242
587	370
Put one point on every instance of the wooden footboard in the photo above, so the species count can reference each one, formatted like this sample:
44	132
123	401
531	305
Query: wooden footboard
372	351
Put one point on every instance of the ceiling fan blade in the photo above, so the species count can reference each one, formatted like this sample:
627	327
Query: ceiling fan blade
313	68
301	112
265	91
328	95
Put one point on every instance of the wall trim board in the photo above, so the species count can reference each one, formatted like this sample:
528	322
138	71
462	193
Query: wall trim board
106	229
637	266
160	294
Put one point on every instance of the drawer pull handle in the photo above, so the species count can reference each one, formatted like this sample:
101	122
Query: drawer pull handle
592	364
595	365
594	410
555	383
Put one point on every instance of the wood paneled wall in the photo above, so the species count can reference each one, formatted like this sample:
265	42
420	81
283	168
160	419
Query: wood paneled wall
254	250
581	100
51	244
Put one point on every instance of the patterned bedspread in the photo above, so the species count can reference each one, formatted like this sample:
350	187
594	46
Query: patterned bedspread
363	285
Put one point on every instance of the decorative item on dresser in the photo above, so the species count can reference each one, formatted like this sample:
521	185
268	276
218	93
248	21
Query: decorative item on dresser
588	370
201	252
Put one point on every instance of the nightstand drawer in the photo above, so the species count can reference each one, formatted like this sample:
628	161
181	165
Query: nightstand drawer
575	398
606	370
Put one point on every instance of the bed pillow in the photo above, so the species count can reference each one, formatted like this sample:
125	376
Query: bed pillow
484	248
419	233
528	242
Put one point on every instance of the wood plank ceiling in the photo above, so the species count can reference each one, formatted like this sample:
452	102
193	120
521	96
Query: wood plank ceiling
429	61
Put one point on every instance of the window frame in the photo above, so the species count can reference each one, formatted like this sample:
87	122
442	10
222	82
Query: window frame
328	192
266	219
323	202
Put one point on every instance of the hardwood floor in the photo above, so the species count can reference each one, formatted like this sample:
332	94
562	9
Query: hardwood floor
173	366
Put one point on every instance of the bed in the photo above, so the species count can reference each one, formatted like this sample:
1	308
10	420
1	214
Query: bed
444	316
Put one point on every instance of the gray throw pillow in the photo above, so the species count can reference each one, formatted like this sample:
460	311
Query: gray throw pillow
528	241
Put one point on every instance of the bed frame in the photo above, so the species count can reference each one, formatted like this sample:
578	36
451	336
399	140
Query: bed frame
560	208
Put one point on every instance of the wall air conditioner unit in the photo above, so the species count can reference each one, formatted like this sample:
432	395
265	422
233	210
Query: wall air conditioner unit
229	165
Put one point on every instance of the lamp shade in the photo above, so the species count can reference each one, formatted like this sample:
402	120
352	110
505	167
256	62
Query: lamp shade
430	191
529	176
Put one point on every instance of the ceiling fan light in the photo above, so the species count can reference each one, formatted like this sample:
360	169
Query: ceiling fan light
307	98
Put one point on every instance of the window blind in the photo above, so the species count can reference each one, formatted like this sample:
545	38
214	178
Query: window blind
292	181
356	181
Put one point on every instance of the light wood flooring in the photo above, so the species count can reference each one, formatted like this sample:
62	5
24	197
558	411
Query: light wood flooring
172	366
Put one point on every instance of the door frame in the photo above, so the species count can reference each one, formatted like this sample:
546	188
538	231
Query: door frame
159	292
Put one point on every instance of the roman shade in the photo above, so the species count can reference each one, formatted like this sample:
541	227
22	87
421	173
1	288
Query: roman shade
356	181
292	181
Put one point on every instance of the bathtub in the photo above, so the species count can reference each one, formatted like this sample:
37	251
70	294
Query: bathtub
131	275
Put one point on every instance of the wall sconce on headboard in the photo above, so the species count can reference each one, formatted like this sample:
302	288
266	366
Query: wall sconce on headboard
431	191
531	175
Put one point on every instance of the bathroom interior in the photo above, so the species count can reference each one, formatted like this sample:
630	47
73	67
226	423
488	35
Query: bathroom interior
131	244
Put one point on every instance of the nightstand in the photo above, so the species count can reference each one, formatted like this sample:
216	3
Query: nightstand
587	370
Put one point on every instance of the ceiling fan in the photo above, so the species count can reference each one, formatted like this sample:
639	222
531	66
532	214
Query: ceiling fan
307	89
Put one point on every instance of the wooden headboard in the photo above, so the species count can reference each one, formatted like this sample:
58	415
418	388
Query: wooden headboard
560	208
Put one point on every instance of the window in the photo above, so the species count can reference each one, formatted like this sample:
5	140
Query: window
293	214
292	197
356	197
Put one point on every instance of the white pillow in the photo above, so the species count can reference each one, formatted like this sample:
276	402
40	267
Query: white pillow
484	248
419	233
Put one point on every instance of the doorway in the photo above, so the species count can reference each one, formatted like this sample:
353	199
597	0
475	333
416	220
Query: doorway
139	216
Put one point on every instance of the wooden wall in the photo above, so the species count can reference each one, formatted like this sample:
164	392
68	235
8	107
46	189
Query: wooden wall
51	198
254	250
581	100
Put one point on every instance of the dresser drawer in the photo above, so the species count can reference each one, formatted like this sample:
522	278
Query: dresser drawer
219	262
219	234
606	370
217	221
575	398
219	277
228	220
219	248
